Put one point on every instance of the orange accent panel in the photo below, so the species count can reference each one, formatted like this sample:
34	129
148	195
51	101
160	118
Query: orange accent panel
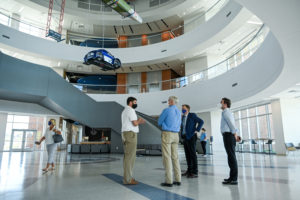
143	82
167	35
166	75
123	42
144	40
121	80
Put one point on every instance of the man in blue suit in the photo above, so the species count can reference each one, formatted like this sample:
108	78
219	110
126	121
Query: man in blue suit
190	125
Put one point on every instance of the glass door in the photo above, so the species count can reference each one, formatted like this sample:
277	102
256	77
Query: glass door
16	140
23	140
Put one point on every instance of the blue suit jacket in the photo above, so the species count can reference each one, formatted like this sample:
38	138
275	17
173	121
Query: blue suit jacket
193	124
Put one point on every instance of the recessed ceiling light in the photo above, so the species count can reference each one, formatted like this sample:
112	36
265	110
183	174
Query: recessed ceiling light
254	22
21	9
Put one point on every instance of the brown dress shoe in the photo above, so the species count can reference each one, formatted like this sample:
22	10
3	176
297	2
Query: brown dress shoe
132	182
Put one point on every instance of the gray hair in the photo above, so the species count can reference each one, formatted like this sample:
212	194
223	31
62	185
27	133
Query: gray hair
174	99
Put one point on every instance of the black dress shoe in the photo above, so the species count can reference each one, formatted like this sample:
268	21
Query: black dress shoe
185	173
227	179
176	183
192	176
166	184
230	182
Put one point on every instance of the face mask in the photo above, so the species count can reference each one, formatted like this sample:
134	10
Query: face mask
134	106
49	123
183	111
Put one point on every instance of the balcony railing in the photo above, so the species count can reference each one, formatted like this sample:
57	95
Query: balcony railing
231	62
81	39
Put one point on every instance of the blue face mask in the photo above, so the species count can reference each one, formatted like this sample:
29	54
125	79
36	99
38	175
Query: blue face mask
49	123
183	111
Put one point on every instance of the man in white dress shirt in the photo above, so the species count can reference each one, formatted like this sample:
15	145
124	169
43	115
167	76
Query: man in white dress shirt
229	132
130	128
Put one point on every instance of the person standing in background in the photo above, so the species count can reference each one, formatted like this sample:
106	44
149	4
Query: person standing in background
170	122
229	132
203	141
50	145
190	125
130	128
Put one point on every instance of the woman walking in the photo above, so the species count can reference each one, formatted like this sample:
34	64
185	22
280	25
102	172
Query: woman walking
50	144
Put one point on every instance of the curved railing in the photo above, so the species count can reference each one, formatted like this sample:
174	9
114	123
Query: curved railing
80	39
234	60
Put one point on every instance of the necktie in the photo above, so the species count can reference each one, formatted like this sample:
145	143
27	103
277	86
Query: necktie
183	125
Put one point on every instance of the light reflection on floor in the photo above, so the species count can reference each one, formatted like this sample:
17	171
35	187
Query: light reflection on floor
81	177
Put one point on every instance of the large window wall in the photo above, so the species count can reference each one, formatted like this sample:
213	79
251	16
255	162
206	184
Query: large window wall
255	122
24	122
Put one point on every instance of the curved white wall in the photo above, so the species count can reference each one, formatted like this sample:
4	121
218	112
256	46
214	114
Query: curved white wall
199	39
80	15
283	20
254	75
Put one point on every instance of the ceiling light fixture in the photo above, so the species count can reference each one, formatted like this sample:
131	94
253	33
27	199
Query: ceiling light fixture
254	22
21	9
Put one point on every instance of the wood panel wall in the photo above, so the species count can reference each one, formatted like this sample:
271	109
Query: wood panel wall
143	82
121	80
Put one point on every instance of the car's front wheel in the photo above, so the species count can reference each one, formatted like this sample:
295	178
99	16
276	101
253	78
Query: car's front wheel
117	63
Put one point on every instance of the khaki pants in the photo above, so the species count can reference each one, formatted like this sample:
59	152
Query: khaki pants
169	145
129	143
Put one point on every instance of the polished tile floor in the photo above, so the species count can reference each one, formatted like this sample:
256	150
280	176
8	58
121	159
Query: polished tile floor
99	177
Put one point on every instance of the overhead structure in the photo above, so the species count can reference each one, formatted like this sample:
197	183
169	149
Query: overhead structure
51	33
123	9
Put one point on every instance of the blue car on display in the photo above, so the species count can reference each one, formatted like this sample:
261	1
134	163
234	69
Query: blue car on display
103	59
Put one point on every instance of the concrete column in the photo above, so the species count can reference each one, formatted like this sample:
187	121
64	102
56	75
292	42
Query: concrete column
278	128
3	121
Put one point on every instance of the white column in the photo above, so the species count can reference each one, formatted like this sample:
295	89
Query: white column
278	128
15	21
218	144
3	121
290	110
193	66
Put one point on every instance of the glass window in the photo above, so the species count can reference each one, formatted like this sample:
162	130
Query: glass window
236	115
238	125
244	113
263	126
271	127
23	122
255	125
261	110
10	118
245	132
20	126
24	119
7	136
269	108
252	112
253	128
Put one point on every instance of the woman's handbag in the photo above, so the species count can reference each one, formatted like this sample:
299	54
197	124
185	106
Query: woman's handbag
57	138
